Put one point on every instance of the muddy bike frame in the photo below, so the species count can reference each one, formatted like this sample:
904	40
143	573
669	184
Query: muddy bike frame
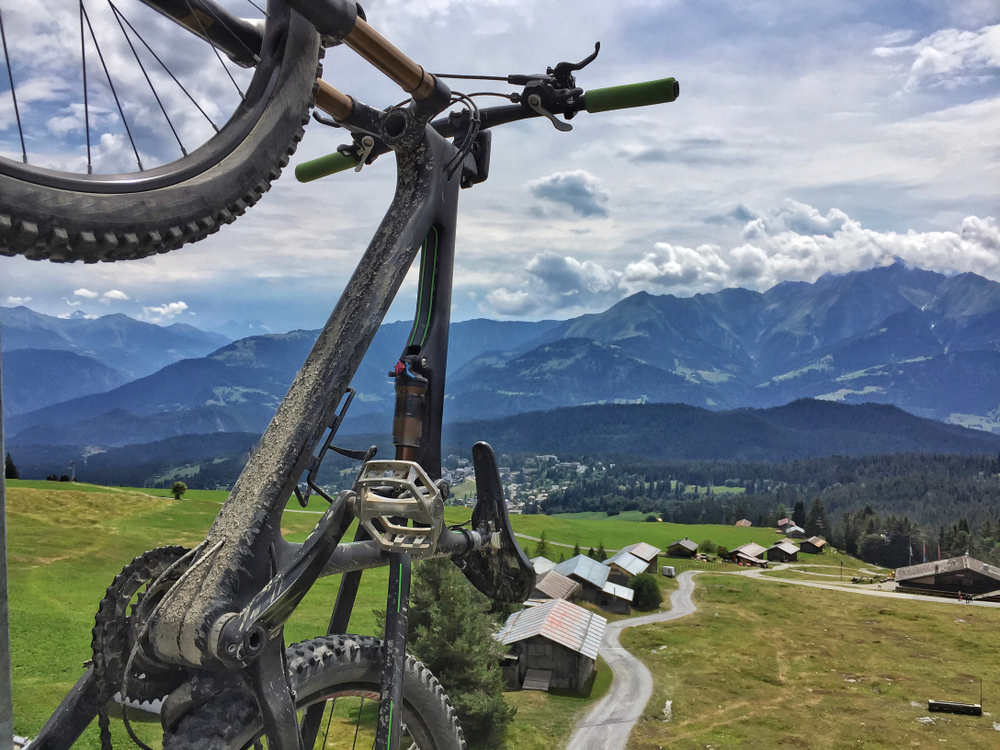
226	611
244	581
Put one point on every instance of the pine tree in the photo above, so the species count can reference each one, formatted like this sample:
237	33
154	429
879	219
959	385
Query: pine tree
817	524
647	594
543	546
451	631
576	549
601	555
9	470
799	514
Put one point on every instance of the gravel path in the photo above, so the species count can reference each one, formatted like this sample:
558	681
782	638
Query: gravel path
608	724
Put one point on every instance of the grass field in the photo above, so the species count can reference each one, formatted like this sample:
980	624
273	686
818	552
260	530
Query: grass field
767	665
68	541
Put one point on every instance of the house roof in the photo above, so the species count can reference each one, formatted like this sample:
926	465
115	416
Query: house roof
815	541
583	568
560	622
555	585
744	522
616	590
687	544
627	562
751	549
787	547
792	528
783	522
542	565
951	565
642	550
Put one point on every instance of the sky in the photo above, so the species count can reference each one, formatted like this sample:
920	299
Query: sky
809	137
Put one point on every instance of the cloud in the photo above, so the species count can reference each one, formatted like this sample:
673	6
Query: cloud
795	241
579	189
17	301
163	313
86	294
114	294
949	57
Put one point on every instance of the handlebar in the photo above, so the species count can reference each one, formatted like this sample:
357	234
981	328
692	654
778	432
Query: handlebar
626	96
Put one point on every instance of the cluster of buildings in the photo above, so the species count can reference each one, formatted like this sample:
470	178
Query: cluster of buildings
553	642
955	577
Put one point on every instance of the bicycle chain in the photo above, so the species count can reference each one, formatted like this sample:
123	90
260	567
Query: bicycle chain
115	629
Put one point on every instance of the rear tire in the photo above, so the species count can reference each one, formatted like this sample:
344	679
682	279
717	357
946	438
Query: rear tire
321	669
49	215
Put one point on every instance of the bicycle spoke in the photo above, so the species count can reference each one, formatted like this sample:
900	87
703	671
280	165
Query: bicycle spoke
357	725
326	735
86	100
142	67
114	93
13	92
204	33
170	73
266	15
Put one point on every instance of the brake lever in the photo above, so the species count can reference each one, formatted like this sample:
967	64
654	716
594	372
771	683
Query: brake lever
563	72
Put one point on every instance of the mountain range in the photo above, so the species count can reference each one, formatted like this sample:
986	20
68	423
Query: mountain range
926	342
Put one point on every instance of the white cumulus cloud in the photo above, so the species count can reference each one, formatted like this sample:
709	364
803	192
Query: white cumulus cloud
949	57
114	294
164	312
86	294
17	300
580	190
792	242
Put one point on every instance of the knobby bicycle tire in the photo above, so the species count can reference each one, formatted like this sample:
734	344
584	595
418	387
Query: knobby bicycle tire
46	215
320	669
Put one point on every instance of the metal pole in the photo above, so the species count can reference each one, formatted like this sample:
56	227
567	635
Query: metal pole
6	699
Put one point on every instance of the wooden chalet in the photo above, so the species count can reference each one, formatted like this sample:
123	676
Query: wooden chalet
556	642
553	585
595	586
957	575
683	548
782	552
783	523
813	545
750	553
795	532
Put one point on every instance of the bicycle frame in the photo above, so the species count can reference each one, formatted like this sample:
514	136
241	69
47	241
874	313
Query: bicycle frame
247	580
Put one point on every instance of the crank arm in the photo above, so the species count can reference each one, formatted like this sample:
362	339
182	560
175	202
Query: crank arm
238	638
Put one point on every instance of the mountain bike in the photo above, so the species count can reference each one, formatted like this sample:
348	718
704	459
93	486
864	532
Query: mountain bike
202	628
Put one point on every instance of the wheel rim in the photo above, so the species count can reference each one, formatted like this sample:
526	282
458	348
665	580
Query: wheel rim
168	94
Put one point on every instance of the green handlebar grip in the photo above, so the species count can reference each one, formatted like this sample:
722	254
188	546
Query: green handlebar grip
308	171
632	95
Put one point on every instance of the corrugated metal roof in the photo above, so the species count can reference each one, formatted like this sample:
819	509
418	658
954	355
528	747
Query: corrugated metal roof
787	547
560	622
584	568
628	562
555	585
793	528
751	549
643	551
951	565
542	565
621	592
687	544
816	541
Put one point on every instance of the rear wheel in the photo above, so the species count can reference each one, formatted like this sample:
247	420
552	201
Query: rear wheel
164	186
342	671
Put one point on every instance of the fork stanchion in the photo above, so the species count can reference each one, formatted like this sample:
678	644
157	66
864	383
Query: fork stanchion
390	707
6	700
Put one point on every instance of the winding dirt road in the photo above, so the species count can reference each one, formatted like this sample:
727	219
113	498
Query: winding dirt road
608	724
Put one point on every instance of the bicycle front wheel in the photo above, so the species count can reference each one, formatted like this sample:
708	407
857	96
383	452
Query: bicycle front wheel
146	137
333	670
